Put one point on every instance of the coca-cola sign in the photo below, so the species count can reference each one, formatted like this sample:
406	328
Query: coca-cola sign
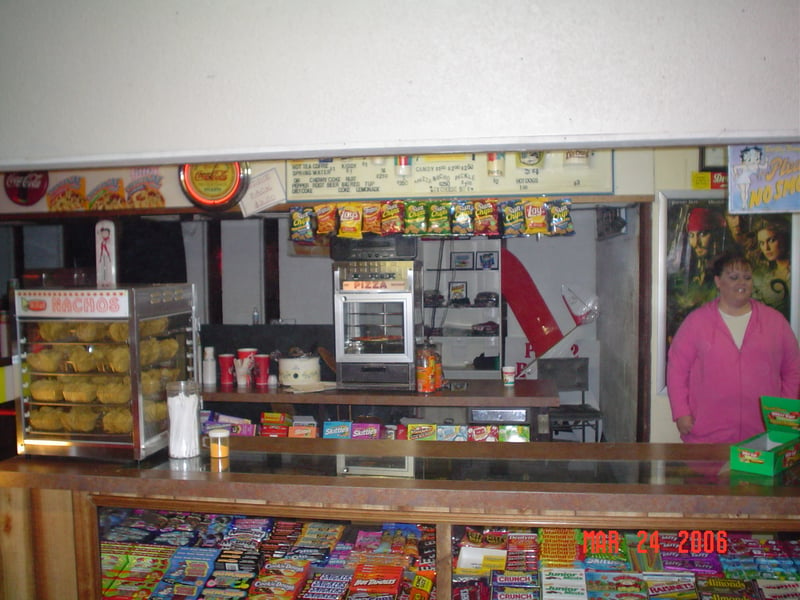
26	188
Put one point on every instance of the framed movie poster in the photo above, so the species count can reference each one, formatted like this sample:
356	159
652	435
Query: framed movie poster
696	227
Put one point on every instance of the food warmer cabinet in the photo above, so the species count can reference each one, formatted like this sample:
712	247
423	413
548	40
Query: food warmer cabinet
94	367
377	307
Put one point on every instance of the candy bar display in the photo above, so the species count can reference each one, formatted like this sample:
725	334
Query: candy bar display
217	556
551	563
490	217
95	364
164	554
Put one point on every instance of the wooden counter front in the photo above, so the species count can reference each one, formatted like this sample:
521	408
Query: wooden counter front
49	538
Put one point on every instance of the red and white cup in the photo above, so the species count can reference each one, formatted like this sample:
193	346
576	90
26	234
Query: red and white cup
247	354
261	369
225	369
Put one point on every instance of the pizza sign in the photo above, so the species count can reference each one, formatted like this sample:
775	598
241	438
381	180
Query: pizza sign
26	188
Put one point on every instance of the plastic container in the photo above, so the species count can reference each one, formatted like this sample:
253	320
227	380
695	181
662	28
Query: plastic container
219	443
183	407
209	366
429	370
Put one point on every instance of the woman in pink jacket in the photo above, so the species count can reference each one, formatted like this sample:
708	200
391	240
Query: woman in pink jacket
726	355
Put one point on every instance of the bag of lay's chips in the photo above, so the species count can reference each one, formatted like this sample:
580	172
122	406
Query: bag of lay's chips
416	220
439	218
301	227
535	216
350	221
512	215
392	217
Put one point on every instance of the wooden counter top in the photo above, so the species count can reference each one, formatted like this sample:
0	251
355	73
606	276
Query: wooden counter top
530	393
658	480
50	505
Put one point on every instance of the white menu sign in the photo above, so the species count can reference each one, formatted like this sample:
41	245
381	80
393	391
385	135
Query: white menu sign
449	175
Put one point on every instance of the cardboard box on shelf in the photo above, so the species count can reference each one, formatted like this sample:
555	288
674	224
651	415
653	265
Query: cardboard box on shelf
778	448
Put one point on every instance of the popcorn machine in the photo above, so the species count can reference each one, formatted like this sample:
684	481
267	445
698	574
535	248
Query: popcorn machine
377	298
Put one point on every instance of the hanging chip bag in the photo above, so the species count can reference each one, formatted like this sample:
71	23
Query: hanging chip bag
301	230
439	218
463	218
392	217
512	213
416	218
535	216
486	221
326	218
559	217
350	221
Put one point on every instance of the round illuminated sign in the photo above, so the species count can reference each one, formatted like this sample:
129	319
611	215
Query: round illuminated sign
26	188
215	186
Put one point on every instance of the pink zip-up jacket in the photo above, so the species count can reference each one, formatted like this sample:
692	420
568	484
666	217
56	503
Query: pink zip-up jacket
720	385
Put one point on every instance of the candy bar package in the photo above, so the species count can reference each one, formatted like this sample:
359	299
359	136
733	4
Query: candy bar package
725	588
672	585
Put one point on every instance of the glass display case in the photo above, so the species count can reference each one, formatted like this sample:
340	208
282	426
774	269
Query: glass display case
377	323
94	366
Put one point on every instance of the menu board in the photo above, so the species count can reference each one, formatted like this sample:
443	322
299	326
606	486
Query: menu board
447	175
273	183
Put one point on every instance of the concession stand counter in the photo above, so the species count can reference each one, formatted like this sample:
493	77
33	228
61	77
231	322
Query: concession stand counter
49	541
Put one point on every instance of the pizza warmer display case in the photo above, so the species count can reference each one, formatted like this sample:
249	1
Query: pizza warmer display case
94	367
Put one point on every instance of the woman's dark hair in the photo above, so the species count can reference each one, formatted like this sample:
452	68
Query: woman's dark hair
780	230
727	259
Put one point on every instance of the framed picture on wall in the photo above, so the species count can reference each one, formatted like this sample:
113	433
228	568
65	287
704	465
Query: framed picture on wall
714	158
696	227
462	261
457	292
488	260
